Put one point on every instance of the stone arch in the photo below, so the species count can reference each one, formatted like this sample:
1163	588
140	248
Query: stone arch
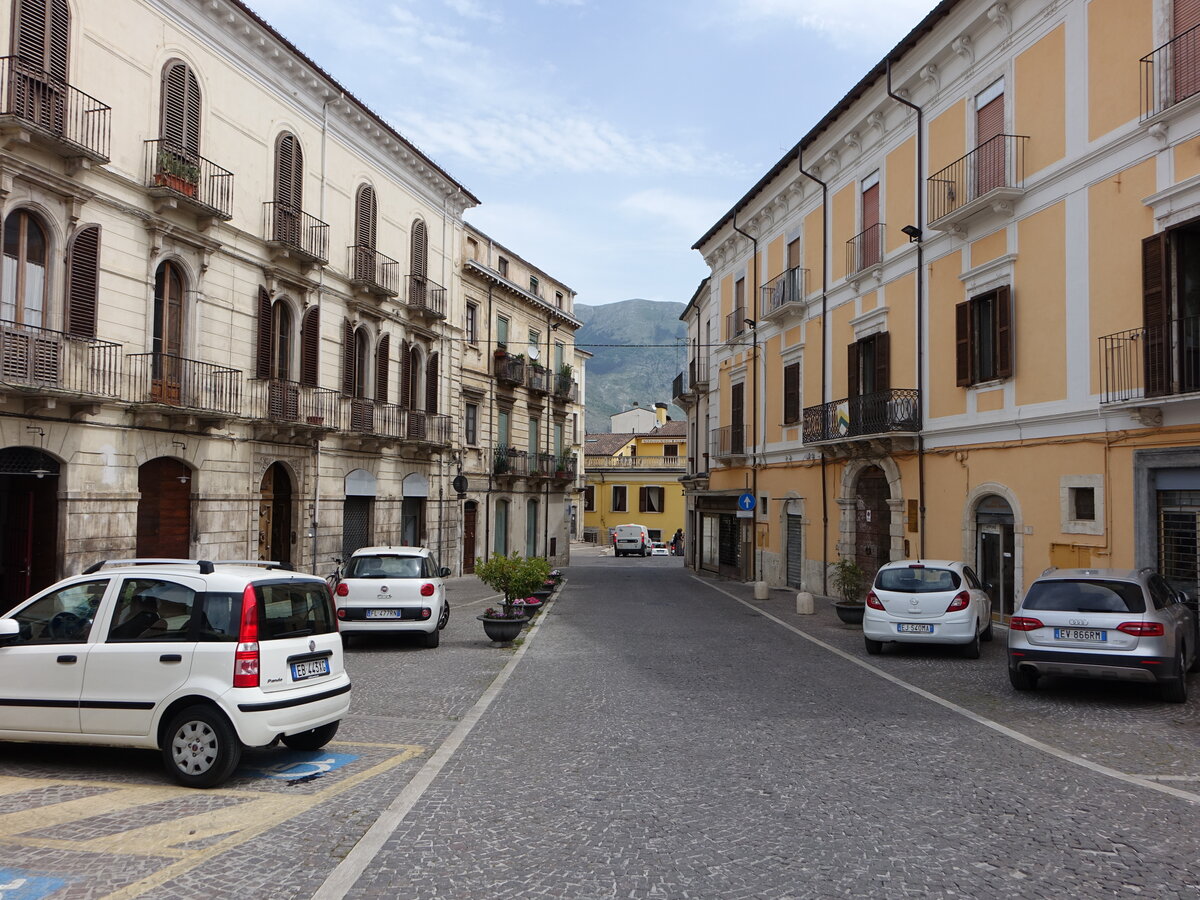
970	532
847	504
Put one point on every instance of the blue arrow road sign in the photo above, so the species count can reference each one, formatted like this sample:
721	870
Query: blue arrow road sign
746	501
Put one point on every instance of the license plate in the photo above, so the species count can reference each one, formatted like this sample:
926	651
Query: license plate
310	668
384	613
913	628
1095	635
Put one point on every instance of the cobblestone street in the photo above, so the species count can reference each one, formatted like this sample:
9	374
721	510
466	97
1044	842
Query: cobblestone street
655	735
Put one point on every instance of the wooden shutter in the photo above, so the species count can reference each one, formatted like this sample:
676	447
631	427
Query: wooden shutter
289	172
420	250
643	499
791	393
348	358
883	346
962	344
1004	356
381	369
365	216
406	398
83	281
431	384
852	370
180	125
58	40
262	364
1156	315
43	36
310	346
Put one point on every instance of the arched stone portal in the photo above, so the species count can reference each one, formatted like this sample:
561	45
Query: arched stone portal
276	536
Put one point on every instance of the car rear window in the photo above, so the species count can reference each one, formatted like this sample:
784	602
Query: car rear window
285	610
1069	595
385	567
917	581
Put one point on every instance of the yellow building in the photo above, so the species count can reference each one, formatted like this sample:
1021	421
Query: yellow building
633	477
959	317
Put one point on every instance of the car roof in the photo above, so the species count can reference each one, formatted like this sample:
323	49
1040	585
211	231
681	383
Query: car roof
927	563
215	572
1118	574
391	551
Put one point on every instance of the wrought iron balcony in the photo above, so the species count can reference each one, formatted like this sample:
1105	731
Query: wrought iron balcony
565	389
566	467
729	441
374	418
373	272
679	387
189	177
509	462
295	233
426	428
40	363
186	384
1171	73
896	411
698	370
510	370
735	323
58	115
537	379
1155	361
865	249
989	177
426	297
784	291
282	402
542	465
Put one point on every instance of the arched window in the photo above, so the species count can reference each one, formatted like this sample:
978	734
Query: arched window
362	357
180	115
289	190
83	281
41	39
419	252
381	368
310	347
283	339
364	216
168	309
23	298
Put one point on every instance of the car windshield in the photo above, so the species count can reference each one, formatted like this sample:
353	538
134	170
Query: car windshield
1068	595
917	580
385	567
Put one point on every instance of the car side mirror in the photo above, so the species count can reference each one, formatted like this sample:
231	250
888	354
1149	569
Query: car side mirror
10	631
444	572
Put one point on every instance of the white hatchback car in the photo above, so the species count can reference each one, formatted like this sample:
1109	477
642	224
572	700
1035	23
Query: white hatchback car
929	602
658	548
194	658
393	589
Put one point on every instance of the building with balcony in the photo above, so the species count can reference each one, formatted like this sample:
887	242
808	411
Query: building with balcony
955	319
223	321
633	477
520	382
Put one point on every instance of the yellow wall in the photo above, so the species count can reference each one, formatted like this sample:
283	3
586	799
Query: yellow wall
775	259
1039	292
603	517
945	292
902	327
947	136
814	358
1040	103
901	208
1187	159
1120	32
988	248
772	389
843	336
726	305
842	227
814	242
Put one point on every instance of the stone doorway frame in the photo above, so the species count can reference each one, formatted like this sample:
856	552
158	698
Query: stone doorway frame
847	503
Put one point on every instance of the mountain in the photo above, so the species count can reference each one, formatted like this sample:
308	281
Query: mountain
652	351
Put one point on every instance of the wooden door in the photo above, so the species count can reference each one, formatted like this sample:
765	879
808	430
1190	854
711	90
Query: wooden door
167	376
470	512
737	417
872	522
164	513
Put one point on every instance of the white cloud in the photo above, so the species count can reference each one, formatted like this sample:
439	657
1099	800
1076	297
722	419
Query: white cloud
689	215
473	9
849	23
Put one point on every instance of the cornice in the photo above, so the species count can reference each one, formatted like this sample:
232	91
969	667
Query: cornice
478	269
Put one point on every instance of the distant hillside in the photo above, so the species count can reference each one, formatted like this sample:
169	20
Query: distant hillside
619	376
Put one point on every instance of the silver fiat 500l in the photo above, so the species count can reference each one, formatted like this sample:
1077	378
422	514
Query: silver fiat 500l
1117	624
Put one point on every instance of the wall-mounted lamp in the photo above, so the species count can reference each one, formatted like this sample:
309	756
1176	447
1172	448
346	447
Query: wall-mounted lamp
180	444
39	473
913	232
183	479
751	323
554	326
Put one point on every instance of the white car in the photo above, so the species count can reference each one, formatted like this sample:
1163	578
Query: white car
928	602
660	549
194	658
393	589
631	539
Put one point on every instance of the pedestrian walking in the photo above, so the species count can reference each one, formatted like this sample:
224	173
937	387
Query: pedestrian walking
677	542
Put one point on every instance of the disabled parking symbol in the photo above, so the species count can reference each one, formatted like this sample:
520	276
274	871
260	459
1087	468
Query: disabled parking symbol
299	766
18	885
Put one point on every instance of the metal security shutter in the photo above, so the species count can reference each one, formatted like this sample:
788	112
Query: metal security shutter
420	250
310	345
795	557
364	216
83	281
356	524
262	362
989	125
1185	15
180	125
348	362
431	384
1179	538
381	368
729	541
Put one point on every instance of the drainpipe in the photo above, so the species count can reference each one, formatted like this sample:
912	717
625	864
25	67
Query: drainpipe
920	314
824	386
489	454
754	402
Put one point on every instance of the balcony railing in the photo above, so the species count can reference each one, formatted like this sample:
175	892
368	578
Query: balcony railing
566	466
294	230
184	383
565	389
54	110
426	428
537	379
190	177
44	360
373	418
865	249
698	370
783	290
374	272
680	386
994	165
635	462
881	412
1171	73
510	370
735	323
289	402
509	461
427	297
542	465
1154	361
729	440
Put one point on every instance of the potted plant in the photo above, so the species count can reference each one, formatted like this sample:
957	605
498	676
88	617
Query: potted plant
515	577
500	463
850	582
176	172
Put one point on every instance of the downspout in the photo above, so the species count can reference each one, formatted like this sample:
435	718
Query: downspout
549	437
754	407
824	386
489	457
920	315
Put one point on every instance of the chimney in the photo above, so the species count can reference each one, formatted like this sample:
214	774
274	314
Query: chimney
660	413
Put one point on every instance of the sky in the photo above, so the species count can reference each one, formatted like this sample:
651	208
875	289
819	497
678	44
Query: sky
602	137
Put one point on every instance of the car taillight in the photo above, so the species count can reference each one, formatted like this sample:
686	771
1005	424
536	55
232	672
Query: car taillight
961	600
427	589
1142	629
1024	623
245	658
873	600
342	589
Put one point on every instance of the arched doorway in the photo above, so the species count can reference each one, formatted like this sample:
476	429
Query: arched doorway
164	511
470	513
29	517
275	533
872	521
995	551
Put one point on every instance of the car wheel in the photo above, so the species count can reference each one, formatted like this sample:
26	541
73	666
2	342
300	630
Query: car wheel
987	634
430	639
313	739
971	649
1176	690
445	616
873	647
1022	679
200	748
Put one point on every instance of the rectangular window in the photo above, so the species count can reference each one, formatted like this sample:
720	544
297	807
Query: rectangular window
791	394
983	338
558	439
574	428
535	337
867	365
533	285
501	331
793	254
560	356
650	499
502	263
472	323
558	298
534	437
619	500
589	498
670	450
870	248
471	425
504	427
1083	504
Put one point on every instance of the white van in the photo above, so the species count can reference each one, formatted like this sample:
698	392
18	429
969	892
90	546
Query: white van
632	539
